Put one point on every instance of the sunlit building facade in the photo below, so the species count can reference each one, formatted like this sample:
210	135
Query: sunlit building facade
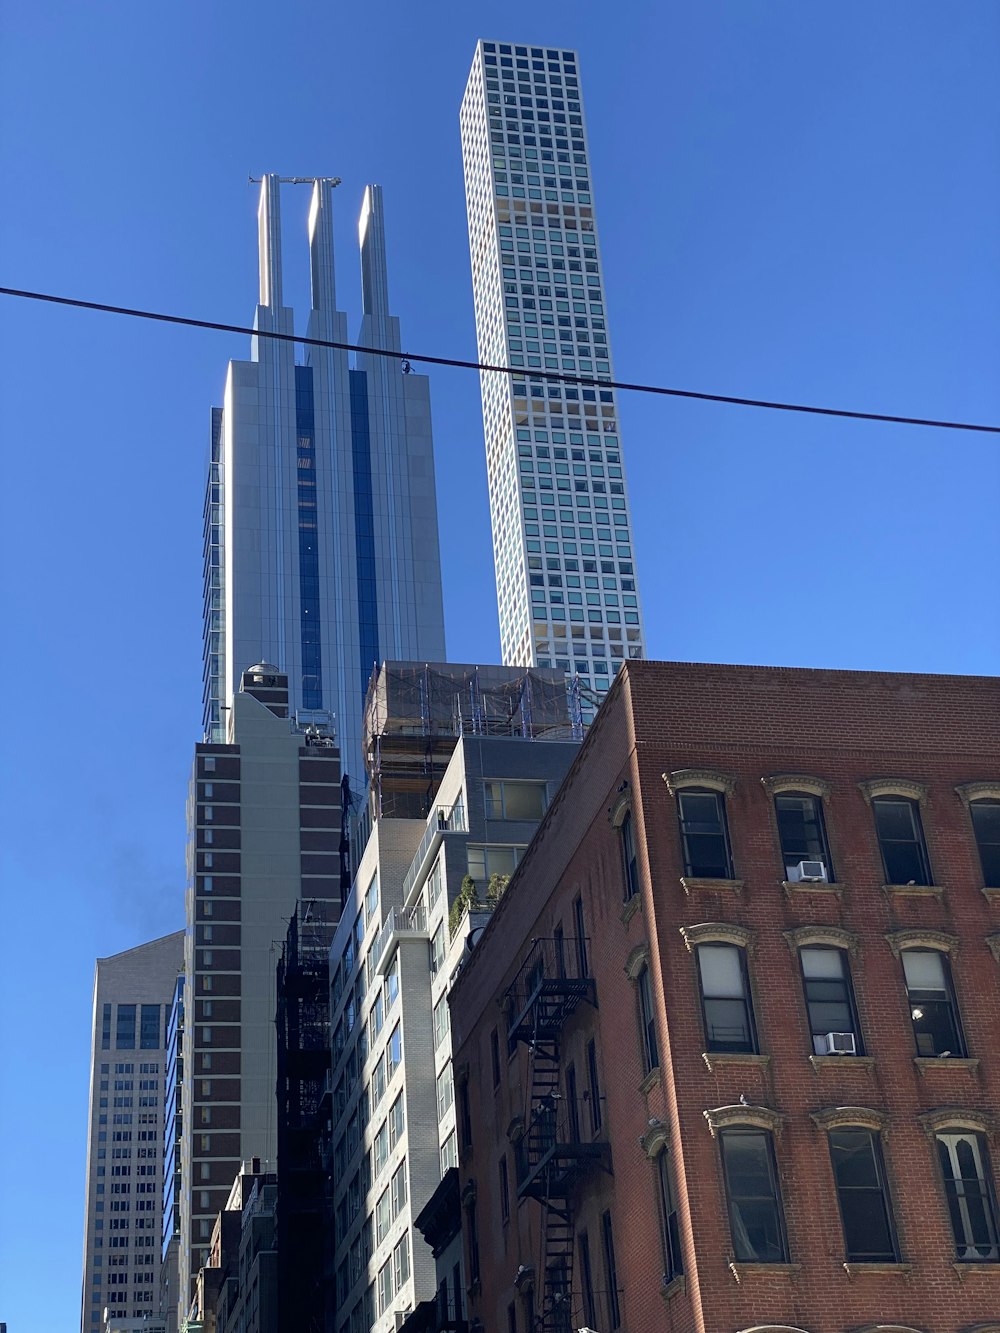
321	534
562	531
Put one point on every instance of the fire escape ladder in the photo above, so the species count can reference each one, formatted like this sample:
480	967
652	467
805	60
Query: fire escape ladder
558	1238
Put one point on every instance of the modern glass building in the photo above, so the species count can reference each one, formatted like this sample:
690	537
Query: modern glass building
562	533
321	535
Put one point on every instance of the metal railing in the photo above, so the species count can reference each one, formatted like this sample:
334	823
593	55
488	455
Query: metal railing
552	965
443	819
400	921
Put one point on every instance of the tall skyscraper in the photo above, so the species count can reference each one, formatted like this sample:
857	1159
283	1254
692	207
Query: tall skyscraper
562	540
132	998
321	541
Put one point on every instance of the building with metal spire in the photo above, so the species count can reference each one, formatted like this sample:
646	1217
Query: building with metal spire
321	534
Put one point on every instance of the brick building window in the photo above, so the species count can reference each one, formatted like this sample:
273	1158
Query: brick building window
670	1236
647	1021
968	1186
901	840
755	1216
830	1003
594	1088
704	834
726	1004
937	1028
863	1195
611	1271
586	1280
630	869
985	817
802	833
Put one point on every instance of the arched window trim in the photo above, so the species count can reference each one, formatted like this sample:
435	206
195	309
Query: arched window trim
905	787
993	944
740	1115
889	1328
700	777
851	1117
949	1118
917	938
969	792
656	1140
774	1328
718	932
835	937
619	808
786	783
637	960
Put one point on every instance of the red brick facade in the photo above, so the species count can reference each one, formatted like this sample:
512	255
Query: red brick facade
747	733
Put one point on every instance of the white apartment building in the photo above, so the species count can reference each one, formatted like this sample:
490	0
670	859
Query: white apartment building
562	532
395	1128
121	1266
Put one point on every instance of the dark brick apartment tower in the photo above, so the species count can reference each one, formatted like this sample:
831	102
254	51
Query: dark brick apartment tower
728	1052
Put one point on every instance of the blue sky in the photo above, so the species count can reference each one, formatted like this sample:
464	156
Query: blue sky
794	201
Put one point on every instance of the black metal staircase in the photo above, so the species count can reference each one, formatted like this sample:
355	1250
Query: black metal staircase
551	1154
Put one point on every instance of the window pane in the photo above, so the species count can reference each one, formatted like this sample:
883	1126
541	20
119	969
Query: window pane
706	846
728	1020
971	1204
864	1207
924	970
986	825
800	829
936	1027
721	974
822	963
897	822
523	800
754	1212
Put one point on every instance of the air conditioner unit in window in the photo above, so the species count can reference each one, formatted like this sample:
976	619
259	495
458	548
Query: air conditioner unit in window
841	1043
811	872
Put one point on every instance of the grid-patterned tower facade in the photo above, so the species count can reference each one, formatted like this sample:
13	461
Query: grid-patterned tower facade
132	999
321	534
562	532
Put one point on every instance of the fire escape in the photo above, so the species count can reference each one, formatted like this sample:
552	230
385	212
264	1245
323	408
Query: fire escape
553	1155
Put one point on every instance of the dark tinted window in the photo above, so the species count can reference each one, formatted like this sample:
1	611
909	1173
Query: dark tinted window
986	825
647	1025
669	1228
630	869
864	1201
801	831
149	1027
755	1220
125	1028
901	840
704	835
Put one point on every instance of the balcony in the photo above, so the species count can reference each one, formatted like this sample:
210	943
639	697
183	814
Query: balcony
555	1152
401	923
444	819
551	983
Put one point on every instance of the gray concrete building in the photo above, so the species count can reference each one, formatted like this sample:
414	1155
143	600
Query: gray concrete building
133	991
264	840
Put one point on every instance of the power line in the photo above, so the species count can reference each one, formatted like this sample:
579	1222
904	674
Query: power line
552	376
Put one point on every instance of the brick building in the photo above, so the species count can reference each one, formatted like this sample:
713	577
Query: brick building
726	1054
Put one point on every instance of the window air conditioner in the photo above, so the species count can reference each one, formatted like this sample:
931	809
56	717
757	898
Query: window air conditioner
841	1043
811	872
